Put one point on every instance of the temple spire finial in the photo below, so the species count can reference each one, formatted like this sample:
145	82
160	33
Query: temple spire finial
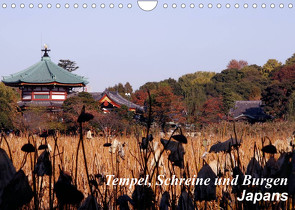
45	50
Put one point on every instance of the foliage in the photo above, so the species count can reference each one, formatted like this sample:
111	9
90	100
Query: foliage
228	76
189	96
68	65
291	60
279	95
253	82
235	64
276	99
175	86
212	110
70	105
270	65
228	99
109	123
285	74
166	106
193	88
140	97
228	85
128	88
149	86
291	107
172	83
244	84
124	113
8	107
73	105
124	90
197	78
34	120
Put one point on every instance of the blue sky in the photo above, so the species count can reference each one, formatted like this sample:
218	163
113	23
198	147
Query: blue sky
120	45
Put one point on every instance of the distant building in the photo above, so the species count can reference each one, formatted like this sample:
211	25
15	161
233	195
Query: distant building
109	100
44	84
250	111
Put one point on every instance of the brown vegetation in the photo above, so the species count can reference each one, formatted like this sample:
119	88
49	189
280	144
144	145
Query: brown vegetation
102	162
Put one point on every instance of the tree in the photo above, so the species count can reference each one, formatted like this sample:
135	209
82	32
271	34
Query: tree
124	114
68	65
124	90
252	83
285	74
270	65
140	97
279	96
108	123
128	88
166	106
255	93
197	78
72	107
149	86
228	76
34	120
194	91
226	82
228	99
118	88
176	89
212	111
291	60
235	64
244	84
276	98
291	107
175	86
8	107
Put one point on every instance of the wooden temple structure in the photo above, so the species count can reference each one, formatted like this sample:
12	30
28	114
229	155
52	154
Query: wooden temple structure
44	84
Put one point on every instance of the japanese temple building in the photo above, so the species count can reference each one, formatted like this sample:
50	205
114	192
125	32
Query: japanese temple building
249	111
44	84
109	100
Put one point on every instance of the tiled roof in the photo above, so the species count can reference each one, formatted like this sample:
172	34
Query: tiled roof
249	109
45	71
117	98
114	96
40	103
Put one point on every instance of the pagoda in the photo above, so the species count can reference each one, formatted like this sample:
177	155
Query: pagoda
44	84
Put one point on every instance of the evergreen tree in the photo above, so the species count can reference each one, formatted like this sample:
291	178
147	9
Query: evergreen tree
68	65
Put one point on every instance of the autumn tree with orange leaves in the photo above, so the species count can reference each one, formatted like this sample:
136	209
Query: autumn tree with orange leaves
166	106
285	74
139	97
235	64
212	110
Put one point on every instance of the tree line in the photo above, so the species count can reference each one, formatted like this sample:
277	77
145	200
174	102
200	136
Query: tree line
196	98
206	97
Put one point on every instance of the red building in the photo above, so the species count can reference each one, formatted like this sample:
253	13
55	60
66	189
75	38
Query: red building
110	100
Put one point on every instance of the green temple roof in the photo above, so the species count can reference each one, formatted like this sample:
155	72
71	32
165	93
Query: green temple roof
44	72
